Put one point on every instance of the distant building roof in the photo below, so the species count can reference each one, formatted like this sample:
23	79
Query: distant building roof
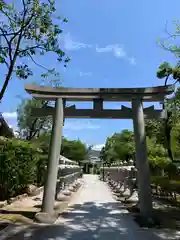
92	159
5	130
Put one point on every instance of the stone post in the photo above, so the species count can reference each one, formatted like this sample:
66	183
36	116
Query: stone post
87	168
143	174
53	159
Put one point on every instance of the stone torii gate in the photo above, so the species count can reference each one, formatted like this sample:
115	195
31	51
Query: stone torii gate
99	95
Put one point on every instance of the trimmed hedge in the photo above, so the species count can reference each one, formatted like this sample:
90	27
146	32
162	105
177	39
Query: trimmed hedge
159	164
41	169
19	161
166	186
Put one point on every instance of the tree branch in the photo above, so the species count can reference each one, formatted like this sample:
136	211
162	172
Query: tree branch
39	65
31	48
33	130
10	19
8	43
24	5
166	79
12	59
7	64
168	33
8	34
35	47
24	25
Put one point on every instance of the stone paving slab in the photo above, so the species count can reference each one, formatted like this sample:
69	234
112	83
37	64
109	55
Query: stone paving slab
93	214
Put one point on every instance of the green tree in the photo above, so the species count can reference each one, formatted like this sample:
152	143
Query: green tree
74	150
155	129
175	140
173	107
165	72
125	145
28	30
43	141
30	127
166	132
170	42
119	147
155	148
168	72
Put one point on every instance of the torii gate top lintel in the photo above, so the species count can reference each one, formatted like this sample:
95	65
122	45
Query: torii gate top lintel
149	94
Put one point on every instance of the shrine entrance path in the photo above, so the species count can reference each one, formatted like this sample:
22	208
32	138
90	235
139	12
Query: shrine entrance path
95	214
92	214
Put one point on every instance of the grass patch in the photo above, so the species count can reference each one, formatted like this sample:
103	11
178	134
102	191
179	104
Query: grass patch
164	216
25	217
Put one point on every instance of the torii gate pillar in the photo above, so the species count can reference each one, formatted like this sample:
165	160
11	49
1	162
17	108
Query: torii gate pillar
143	174
53	158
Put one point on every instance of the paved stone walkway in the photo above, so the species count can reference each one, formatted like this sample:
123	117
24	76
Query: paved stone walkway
93	214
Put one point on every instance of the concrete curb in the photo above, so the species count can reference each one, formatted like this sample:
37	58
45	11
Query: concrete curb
71	200
19	197
15	228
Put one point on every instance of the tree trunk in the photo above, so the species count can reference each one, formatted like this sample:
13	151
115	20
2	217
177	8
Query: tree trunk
168	127
168	136
6	82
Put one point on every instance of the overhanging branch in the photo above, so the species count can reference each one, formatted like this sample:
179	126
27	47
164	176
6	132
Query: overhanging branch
39	65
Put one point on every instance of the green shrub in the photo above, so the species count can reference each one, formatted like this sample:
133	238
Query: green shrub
18	166
41	169
166	184
159	162
159	165
172	171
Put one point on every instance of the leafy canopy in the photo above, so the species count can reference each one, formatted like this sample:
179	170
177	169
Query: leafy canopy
29	127
171	44
28	30
118	148
74	150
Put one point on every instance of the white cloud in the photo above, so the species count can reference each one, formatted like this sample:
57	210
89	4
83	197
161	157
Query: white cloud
70	44
119	52
89	74
11	119
15	130
98	147
80	125
132	61
108	48
10	115
116	49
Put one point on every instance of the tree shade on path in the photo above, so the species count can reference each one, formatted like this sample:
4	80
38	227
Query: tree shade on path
95	214
92	214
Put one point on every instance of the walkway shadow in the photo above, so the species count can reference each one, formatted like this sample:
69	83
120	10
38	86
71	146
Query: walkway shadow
103	221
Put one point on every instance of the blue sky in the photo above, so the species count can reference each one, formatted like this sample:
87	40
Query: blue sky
111	44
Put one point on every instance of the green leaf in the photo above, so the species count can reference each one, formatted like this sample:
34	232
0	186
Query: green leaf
2	60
